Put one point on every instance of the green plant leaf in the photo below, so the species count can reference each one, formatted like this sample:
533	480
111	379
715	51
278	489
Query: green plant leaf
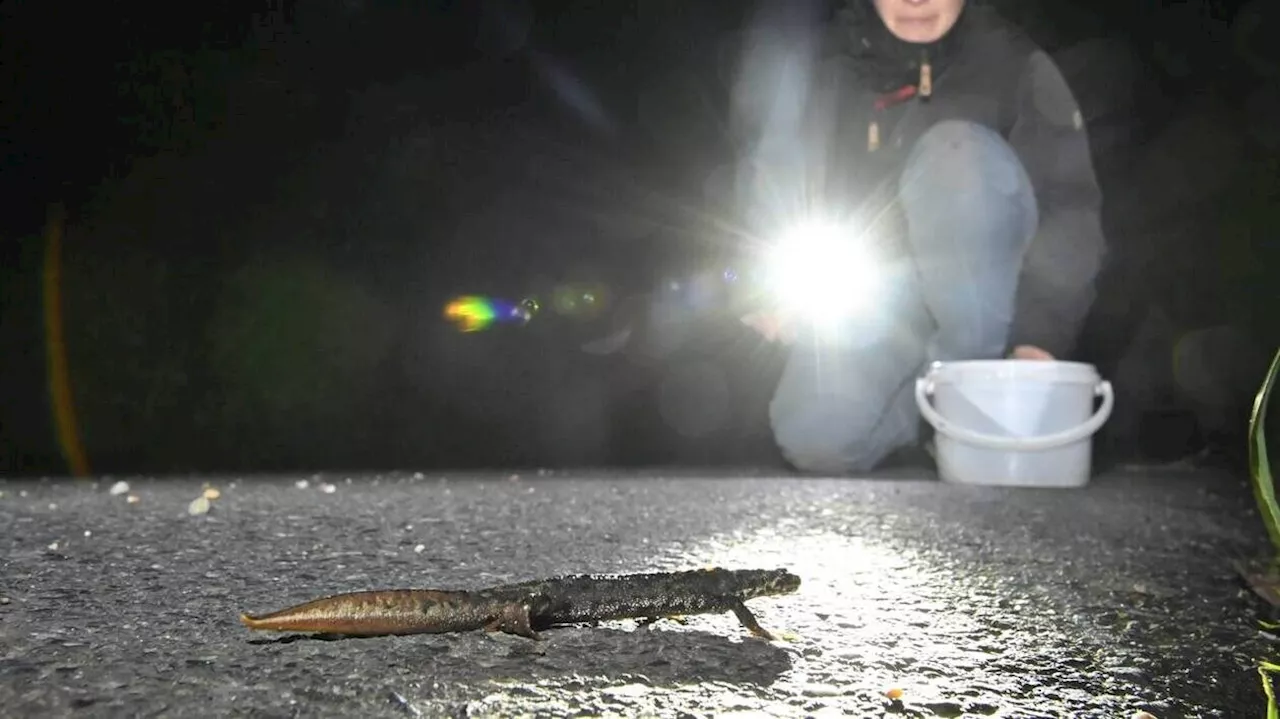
1264	488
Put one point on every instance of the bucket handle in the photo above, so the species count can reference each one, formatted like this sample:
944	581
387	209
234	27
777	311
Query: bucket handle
924	387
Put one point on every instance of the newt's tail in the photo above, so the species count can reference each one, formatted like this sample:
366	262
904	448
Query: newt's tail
253	622
375	613
289	620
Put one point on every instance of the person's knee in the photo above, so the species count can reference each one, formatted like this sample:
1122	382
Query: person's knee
954	159
956	145
968	202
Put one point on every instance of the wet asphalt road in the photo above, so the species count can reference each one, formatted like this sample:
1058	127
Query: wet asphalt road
973	602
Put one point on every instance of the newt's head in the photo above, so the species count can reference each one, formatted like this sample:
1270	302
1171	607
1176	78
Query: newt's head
771	582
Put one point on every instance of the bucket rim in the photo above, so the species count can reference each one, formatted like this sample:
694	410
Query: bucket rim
1013	369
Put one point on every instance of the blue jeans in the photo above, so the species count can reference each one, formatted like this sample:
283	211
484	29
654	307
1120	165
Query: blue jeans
846	401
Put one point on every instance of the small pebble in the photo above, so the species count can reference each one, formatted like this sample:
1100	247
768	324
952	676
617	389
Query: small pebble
417	475
302	484
420	548
199	505
328	488
133	499
88	533
212	493
119	488
895	693
53	547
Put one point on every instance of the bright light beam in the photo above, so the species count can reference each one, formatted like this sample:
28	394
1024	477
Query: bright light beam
823	273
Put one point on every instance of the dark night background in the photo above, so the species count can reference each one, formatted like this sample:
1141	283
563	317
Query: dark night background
268	204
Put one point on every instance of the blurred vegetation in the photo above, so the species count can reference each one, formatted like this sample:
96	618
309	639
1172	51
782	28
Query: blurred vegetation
1266	579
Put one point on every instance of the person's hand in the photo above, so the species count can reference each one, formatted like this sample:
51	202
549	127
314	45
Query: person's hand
1029	352
773	326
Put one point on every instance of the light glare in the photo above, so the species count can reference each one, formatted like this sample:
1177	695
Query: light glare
821	271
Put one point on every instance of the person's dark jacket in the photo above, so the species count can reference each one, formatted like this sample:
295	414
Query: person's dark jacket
985	71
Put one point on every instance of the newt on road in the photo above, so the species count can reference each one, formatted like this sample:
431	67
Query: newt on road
525	608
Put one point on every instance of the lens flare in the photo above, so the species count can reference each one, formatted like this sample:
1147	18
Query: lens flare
474	313
471	314
579	301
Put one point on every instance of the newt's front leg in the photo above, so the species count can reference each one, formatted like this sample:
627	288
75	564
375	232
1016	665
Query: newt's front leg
748	620
513	619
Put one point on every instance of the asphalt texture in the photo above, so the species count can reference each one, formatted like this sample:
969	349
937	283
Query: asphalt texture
971	602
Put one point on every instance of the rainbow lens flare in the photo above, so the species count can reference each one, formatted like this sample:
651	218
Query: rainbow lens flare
473	313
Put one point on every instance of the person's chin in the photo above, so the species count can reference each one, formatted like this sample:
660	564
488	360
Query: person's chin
918	32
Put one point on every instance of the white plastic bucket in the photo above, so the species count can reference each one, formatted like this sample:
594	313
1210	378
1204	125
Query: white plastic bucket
1017	423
